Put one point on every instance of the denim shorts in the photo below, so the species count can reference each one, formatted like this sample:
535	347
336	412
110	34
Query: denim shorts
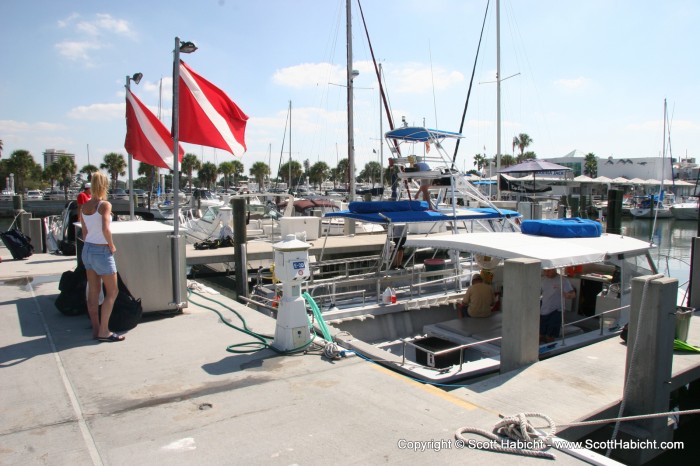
99	258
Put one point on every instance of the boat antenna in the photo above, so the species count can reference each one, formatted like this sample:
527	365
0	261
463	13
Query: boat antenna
652	202
284	137
471	82
432	79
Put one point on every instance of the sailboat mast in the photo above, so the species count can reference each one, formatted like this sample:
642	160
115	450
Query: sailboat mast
290	146
498	93
381	141
351	139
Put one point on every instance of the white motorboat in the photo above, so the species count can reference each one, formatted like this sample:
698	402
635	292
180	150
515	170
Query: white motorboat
686	210
418	332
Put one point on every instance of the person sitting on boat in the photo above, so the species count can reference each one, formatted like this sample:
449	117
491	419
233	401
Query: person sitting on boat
554	287
424	182
478	300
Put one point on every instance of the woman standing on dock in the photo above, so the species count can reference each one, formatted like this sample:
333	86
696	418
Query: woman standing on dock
98	258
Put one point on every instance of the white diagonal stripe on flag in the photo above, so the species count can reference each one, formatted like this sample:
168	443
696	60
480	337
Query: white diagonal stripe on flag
162	148
214	116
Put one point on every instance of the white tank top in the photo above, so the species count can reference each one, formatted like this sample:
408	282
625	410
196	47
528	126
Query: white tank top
94	226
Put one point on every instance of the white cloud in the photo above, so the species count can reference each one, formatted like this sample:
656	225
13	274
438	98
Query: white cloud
98	112
93	34
76	50
402	77
14	126
419	78
572	84
104	23
309	75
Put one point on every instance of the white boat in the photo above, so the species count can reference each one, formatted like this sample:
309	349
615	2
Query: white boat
419	333
686	210
650	207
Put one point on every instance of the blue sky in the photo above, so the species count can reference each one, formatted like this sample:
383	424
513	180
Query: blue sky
593	75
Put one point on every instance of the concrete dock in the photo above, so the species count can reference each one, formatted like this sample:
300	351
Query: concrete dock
172	394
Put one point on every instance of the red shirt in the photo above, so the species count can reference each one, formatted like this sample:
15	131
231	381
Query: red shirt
83	197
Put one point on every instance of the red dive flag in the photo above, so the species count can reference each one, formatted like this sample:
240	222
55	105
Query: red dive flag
207	116
147	139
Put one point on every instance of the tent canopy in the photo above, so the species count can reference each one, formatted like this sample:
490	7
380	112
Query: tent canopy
535	166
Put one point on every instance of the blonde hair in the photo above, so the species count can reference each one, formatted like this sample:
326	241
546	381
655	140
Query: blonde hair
98	185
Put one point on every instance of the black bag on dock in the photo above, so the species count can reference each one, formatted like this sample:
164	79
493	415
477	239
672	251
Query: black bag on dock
19	244
71	301
127	310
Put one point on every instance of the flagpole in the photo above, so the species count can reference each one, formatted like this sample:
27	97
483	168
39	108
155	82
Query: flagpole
176	185
137	79
184	47
130	164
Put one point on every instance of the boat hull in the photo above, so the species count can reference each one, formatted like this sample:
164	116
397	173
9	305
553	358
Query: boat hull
685	212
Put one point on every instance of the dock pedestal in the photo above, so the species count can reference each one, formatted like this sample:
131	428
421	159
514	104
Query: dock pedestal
648	365
521	314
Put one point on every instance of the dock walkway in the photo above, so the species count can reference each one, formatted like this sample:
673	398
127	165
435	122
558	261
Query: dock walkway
172	394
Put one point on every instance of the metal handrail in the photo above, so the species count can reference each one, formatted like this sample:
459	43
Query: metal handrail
446	351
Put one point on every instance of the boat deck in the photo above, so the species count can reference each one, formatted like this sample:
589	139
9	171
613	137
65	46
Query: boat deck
171	393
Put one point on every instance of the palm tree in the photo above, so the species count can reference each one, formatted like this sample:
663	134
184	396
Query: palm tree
50	174
149	171
260	171
88	170
521	141
226	169
1	147
190	163
590	165
371	172
344	171
319	172
238	169
480	161
22	164
115	165
507	160
65	169
296	173
207	174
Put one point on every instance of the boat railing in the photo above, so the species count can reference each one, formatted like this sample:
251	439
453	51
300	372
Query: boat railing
459	348
343	268
600	316
332	298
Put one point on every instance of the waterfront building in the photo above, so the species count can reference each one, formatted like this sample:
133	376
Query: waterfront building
52	155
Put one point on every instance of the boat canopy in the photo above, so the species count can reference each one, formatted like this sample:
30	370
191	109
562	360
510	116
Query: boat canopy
384	212
552	252
418	134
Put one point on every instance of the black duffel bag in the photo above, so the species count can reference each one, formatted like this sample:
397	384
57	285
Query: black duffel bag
127	310
19	244
71	301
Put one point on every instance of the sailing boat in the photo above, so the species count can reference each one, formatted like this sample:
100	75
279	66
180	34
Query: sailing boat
655	206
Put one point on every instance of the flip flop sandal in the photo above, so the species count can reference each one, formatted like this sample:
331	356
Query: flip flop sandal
111	338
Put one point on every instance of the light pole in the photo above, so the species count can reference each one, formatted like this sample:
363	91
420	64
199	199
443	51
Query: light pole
184	47
137	79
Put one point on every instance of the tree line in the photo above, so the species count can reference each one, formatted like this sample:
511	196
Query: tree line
62	173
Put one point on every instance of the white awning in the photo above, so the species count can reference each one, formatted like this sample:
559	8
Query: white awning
552	252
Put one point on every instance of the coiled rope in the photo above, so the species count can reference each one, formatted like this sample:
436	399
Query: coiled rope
514	430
